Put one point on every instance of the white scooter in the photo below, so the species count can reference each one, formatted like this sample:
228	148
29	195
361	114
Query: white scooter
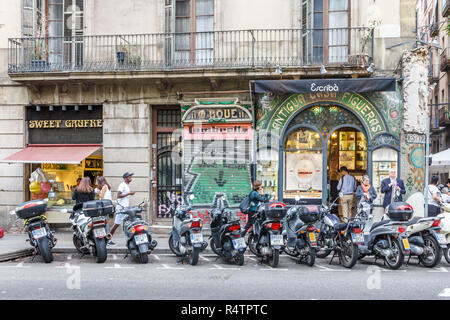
445	228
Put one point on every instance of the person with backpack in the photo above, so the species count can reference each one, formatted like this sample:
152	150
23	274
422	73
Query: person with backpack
255	197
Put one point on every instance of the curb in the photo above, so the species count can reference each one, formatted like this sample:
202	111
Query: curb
16	254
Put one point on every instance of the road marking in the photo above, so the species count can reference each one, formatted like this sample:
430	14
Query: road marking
156	257
40	288
115	257
3	292
19	265
323	268
69	257
253	259
445	293
217	267
118	266
202	257
166	267
441	269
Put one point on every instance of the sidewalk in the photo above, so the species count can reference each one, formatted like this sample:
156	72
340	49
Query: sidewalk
13	245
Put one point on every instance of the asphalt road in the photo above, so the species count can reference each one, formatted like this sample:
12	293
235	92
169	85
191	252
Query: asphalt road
75	277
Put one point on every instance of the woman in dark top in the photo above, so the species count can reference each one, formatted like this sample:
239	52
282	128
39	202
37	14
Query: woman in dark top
366	191
84	192
256	196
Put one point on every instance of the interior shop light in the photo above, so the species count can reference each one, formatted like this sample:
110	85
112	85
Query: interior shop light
64	108
38	108
51	108
76	108
323	70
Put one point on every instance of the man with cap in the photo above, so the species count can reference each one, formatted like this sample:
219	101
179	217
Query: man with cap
123	200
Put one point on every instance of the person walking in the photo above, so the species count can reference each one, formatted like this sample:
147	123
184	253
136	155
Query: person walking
123	200
256	196
434	197
82	193
346	185
366	192
390	186
105	194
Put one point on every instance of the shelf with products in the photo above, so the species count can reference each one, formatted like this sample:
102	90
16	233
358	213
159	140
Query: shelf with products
352	149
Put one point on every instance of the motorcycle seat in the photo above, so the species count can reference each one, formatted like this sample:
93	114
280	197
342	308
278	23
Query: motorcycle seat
380	223
413	221
340	226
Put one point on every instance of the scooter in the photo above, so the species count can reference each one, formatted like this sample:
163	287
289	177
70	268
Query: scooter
186	238
265	240
341	238
445	229
40	236
137	233
226	240
300	232
88	225
385	239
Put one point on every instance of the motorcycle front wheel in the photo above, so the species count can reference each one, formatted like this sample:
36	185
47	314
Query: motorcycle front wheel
348	252
44	249
446	252
251	244
172	247
213	247
239	259
396	261
310	259
322	253
100	250
434	255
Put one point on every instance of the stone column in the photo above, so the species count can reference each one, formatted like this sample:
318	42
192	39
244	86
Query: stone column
415	104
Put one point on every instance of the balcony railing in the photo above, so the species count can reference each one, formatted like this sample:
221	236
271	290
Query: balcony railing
205	50
444	116
445	59
433	72
445	8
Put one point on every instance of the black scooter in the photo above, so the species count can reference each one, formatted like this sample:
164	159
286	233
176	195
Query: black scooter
137	232
40	236
226	240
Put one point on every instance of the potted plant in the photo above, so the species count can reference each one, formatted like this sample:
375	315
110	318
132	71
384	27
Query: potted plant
38	62
135	60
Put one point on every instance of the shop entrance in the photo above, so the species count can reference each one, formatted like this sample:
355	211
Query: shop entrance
317	142
347	147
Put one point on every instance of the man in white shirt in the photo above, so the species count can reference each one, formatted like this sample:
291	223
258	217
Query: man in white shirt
123	200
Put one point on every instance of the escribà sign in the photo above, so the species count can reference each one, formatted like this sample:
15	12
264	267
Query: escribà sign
65	124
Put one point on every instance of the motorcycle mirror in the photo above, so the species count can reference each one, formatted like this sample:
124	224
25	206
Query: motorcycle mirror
191	197
297	198
341	194
12	212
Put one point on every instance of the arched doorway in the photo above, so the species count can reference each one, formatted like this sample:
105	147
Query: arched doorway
316	143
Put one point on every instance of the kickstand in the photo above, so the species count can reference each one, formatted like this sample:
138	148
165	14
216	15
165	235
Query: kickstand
407	262
217	258
34	255
125	256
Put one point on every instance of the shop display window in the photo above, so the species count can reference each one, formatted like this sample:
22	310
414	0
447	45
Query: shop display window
267	171
383	160
63	179
303	164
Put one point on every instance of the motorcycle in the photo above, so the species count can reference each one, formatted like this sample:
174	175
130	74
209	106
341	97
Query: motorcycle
138	235
445	229
88	225
40	236
186	238
341	238
385	239
300	232
265	240
226	240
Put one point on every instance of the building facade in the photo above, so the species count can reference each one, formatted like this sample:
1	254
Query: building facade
432	27
167	89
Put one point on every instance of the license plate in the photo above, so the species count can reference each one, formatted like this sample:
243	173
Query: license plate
358	237
405	243
312	237
276	240
239	243
441	239
99	233
39	233
141	238
196	237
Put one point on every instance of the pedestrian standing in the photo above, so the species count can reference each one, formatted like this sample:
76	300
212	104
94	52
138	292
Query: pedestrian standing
346	185
434	197
256	196
366	192
105	194
123	200
390	186
82	193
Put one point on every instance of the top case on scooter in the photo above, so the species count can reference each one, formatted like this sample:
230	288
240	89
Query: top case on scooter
97	208
31	209
400	211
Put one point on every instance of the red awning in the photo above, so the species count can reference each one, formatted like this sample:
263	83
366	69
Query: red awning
55	153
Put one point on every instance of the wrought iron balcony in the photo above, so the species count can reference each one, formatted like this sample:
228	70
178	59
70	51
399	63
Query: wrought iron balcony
445	8
351	47
445	60
444	117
